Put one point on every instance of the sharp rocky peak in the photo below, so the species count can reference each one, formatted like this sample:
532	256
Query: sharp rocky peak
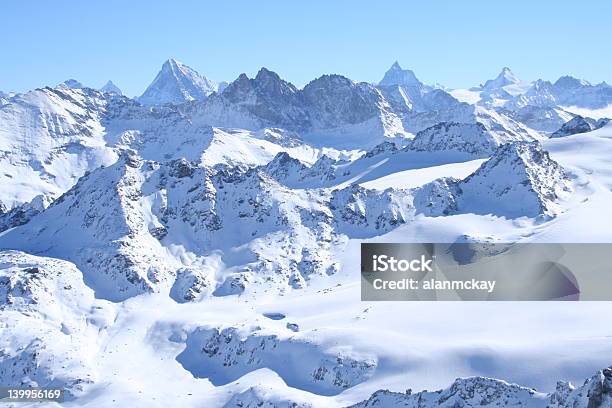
110	87
505	77
177	83
396	75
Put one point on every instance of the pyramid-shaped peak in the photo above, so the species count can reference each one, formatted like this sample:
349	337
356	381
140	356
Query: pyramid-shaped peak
176	67
171	62
508	74
398	76
504	78
265	73
110	87
177	83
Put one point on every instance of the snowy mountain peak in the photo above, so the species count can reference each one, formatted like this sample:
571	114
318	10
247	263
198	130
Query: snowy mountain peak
481	391
72	83
505	77
398	76
177	83
519	179
472	138
271	81
580	124
110	87
265	84
568	82
507	74
265	73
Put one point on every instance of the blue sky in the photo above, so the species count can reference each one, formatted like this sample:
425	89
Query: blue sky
455	43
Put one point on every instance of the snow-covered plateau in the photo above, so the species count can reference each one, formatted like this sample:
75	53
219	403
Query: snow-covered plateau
198	246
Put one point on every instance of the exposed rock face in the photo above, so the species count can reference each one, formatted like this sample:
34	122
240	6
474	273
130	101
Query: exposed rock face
438	198
257	397
23	213
284	167
331	103
270	99
471	138
362	212
580	124
334	100
103	231
464	392
385	147
223	355
486	392
292	172
596	392
191	284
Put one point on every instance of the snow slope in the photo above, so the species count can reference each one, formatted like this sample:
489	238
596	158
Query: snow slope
48	139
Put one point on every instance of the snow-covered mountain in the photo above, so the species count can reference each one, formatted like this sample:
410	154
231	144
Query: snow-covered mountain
111	87
49	138
72	83
396	75
50	323
405	93
266	100
506	78
471	138
520	179
486	392
330	108
177	83
205	240
574	92
566	92
124	220
580	124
